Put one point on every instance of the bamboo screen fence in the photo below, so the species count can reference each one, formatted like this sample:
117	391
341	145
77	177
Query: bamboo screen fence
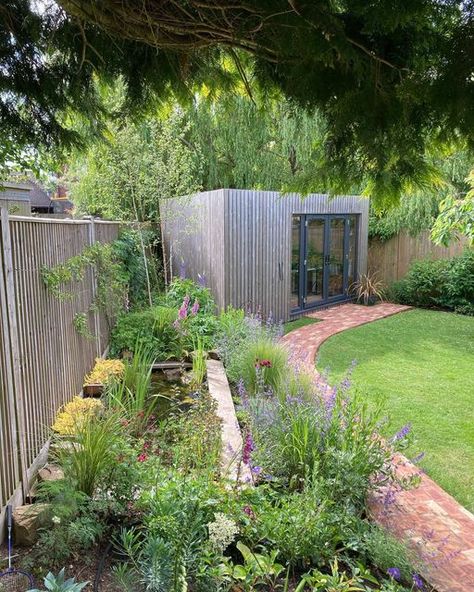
392	259
43	358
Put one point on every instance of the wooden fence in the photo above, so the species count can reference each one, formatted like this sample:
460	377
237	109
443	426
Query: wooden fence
43	358
392	259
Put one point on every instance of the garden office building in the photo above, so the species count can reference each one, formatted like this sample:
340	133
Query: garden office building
279	254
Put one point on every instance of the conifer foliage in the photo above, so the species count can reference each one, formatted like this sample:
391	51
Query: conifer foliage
385	74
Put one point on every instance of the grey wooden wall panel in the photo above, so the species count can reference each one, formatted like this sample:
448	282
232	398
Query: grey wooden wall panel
193	234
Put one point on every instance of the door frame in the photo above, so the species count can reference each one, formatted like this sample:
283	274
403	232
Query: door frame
303	243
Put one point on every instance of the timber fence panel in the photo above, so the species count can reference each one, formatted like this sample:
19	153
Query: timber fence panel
392	259
43	358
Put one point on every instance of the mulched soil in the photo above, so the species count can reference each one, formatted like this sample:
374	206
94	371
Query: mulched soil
81	568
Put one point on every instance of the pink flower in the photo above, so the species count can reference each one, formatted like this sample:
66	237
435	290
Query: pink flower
142	457
195	308
183	311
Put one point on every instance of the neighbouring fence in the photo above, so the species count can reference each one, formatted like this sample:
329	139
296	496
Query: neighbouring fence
392	259
43	358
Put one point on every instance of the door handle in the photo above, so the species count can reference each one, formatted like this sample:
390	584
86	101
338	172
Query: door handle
280	271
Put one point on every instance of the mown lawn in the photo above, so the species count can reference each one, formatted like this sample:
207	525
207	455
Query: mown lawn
421	363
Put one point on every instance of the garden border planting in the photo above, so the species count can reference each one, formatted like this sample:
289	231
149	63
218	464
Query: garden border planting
434	523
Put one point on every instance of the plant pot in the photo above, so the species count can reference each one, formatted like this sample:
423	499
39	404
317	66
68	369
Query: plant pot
93	390
370	301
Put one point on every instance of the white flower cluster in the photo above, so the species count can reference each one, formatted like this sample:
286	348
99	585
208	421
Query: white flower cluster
222	532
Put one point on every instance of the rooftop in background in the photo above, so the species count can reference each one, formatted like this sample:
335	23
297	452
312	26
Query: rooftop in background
29	196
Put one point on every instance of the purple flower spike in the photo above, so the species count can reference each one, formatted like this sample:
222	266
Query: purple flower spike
195	308
247	449
417	581
418	458
403	433
394	573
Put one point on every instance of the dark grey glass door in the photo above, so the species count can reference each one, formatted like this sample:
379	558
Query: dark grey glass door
323	259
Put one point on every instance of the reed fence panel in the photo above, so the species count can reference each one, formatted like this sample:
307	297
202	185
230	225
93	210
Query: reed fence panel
43	358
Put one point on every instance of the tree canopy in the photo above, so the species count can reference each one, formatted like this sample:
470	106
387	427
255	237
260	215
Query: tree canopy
388	77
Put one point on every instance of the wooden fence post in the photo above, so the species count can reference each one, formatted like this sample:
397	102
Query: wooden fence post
12	351
94	289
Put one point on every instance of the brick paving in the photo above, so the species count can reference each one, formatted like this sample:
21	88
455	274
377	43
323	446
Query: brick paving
433	523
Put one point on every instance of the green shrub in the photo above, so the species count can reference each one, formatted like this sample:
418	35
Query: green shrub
128	249
201	326
260	364
384	551
447	283
180	288
280	524
152	329
168	554
423	284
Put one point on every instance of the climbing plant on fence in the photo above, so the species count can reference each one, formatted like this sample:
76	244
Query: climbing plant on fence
111	283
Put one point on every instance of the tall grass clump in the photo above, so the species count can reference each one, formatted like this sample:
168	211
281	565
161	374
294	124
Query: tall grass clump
199	362
262	365
249	347
132	396
87	458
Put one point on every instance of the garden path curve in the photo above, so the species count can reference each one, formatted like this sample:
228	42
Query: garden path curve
429	519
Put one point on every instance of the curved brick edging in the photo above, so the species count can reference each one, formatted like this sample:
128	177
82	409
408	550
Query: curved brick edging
432	522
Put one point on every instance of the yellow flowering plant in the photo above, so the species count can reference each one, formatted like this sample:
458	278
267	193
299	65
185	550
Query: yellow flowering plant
104	371
74	414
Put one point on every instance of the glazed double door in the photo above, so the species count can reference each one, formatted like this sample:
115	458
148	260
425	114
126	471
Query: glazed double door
323	259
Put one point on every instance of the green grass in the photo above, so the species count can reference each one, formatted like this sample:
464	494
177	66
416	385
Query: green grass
422	365
296	324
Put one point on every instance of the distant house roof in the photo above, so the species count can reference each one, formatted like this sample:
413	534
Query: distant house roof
41	200
39	197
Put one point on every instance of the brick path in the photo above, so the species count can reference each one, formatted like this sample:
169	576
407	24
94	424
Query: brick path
432	522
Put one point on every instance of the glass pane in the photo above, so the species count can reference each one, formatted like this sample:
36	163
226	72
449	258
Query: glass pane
336	257
314	260
295	262
352	249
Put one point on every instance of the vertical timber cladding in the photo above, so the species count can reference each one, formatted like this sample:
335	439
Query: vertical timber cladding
258	244
193	235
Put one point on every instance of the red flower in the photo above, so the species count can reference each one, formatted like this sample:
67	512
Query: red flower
250	513
263	364
146	445
142	457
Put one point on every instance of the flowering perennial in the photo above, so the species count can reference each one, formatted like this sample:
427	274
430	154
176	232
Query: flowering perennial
222	532
104	371
74	414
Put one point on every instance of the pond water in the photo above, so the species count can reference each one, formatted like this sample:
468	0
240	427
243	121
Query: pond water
172	393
